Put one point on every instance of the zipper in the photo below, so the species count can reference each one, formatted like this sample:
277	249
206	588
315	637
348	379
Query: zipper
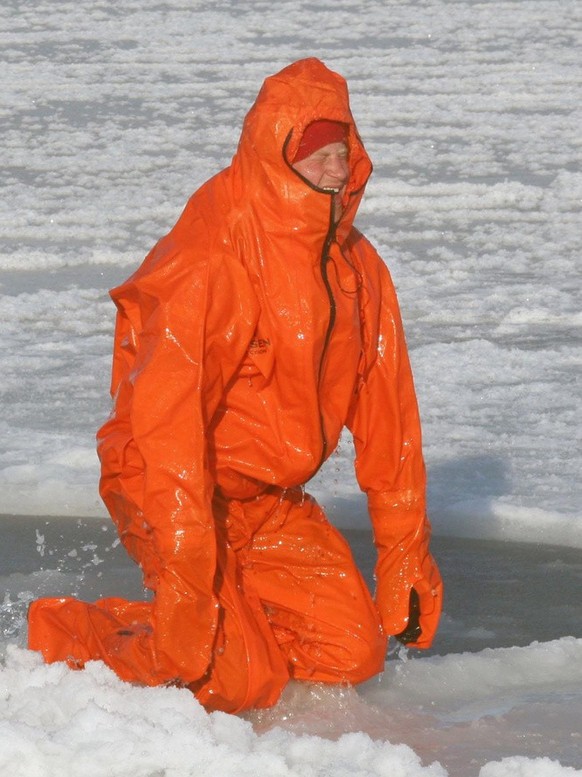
329	238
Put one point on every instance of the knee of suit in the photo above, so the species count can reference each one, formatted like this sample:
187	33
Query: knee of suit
350	657
251	687
370	657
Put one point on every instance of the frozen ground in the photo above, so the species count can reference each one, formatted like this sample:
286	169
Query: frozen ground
111	114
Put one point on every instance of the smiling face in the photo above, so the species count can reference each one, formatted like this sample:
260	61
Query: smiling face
328	169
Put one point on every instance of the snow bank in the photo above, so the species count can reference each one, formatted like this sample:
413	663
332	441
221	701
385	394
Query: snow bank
57	722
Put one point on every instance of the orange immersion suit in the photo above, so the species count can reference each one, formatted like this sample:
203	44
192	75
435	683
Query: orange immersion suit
250	336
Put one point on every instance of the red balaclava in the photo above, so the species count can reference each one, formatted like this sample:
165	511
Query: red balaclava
318	134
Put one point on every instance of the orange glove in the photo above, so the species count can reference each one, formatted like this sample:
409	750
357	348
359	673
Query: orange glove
407	577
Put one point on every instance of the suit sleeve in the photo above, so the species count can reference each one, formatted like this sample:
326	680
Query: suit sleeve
389	463
167	382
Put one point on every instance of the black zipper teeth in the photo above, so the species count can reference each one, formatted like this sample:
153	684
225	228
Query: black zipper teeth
332	315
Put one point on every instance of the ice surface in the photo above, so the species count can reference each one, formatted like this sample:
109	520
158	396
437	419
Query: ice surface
111	115
471	113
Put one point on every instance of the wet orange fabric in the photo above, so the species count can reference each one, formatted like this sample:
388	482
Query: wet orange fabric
250	336
284	611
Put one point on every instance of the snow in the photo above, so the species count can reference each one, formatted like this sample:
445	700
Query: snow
111	115
58	723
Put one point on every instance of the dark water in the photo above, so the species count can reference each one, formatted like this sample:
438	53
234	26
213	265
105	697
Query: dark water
497	594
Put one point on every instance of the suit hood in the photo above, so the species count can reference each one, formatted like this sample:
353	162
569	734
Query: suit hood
287	103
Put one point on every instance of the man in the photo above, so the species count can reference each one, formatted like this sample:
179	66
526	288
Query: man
258	328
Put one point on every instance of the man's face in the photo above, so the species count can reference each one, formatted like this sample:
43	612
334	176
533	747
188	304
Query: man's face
327	168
